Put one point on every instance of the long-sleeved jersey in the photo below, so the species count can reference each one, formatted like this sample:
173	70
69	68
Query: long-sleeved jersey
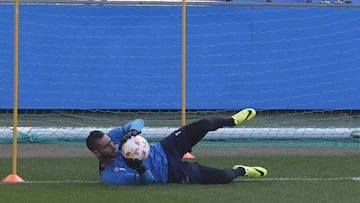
118	172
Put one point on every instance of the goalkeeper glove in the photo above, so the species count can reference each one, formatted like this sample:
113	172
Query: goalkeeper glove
128	135
132	163
135	164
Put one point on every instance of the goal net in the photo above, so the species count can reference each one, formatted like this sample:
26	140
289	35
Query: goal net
98	66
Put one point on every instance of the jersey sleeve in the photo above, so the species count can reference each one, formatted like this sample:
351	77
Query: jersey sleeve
117	133
126	177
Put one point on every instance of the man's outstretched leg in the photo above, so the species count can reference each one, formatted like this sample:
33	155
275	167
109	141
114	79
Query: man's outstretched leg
209	175
182	140
197	130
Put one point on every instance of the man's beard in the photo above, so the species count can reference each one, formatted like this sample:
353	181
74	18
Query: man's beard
109	156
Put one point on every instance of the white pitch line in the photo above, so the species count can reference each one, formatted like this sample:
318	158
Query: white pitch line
237	180
300	179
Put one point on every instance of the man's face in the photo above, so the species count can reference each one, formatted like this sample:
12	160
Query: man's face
105	148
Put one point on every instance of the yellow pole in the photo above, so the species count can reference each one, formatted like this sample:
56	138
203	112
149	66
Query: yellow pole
183	67
183	72
15	110
13	177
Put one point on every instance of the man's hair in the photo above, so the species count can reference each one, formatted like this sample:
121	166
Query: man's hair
93	138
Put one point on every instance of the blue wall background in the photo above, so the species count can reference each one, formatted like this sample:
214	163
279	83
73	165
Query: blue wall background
129	57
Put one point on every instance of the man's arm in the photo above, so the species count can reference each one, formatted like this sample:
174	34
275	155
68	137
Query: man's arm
117	133
136	124
126	178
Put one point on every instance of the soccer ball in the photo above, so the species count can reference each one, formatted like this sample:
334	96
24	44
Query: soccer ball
136	147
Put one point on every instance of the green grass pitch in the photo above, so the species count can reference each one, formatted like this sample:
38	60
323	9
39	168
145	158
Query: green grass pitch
290	179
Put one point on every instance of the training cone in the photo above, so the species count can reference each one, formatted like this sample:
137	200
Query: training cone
13	179
188	156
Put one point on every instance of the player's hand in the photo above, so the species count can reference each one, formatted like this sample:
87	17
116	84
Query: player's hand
135	164
128	135
132	163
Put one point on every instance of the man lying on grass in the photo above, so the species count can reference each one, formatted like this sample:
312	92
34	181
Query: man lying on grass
164	163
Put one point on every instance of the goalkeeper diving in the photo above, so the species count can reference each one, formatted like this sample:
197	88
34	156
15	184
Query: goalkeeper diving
164	163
